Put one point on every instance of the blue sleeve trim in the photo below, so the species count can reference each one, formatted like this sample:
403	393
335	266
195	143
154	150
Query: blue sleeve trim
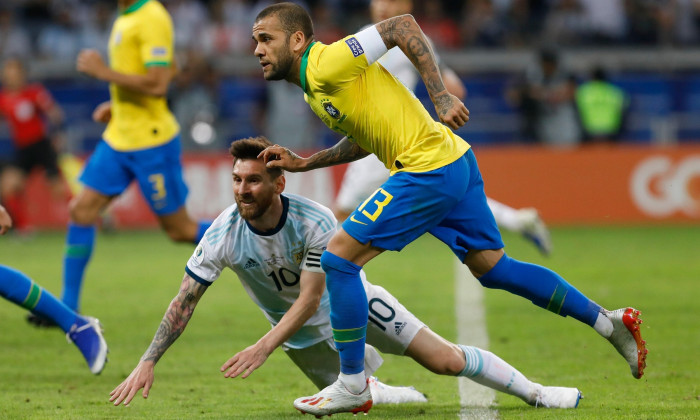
196	277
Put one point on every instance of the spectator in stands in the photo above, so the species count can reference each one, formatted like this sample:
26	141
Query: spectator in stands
601	106
567	23
14	40
546	100
24	106
607	18
482	26
195	104
442	29
59	40
95	32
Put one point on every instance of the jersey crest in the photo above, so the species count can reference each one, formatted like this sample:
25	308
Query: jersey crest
330	109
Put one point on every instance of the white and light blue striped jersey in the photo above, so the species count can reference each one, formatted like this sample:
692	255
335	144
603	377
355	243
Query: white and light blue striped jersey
269	264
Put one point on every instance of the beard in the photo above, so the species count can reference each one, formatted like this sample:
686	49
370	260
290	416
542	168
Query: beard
283	67
252	210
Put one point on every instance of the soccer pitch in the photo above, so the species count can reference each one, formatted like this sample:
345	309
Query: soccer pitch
134	275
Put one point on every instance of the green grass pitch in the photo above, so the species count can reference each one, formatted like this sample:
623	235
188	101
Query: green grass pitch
134	275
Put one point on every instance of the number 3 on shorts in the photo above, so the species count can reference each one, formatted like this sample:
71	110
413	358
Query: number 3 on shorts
380	204
158	182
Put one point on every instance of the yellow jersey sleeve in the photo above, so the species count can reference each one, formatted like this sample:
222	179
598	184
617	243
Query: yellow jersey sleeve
157	42
343	61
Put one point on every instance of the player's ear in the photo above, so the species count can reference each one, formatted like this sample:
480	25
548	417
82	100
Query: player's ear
280	183
297	41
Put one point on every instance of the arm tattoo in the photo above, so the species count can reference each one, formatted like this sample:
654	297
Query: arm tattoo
404	32
175	319
443	103
343	152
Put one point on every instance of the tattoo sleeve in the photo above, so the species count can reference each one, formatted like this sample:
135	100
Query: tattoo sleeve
404	32
175	319
343	152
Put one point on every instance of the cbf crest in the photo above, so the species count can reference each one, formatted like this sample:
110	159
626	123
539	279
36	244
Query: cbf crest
331	109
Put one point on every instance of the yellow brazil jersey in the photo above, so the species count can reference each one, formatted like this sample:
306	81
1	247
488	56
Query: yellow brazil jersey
142	36
374	110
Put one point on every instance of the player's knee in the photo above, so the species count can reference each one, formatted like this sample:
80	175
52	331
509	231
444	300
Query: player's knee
447	360
331	262
178	234
82	212
494	277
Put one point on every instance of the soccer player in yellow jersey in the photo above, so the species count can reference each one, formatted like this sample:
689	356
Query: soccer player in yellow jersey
141	141
435	185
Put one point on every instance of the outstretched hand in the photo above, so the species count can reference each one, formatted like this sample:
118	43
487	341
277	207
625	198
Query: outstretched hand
141	377
451	110
280	157
245	362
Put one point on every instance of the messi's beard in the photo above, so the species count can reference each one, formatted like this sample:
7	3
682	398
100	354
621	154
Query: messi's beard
255	211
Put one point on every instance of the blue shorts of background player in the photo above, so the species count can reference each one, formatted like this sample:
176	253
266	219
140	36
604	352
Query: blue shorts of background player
448	202
157	170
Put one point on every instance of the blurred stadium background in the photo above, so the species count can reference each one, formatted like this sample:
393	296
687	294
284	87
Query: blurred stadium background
649	177
650	49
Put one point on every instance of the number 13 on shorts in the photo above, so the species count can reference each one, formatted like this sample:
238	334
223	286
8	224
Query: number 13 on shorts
380	198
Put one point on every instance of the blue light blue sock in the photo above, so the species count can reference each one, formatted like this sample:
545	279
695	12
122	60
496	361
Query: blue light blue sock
16	287
543	287
79	243
203	226
349	311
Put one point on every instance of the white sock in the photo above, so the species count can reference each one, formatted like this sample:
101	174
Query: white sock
355	382
485	368
506	216
603	325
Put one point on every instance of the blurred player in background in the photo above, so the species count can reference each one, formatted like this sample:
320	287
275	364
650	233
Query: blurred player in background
26	107
83	331
435	186
273	242
366	175
141	141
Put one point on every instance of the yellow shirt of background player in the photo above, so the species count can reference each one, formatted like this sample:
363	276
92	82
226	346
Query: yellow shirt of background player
373	109
142	36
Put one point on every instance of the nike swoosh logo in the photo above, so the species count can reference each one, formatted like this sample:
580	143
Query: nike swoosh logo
352	219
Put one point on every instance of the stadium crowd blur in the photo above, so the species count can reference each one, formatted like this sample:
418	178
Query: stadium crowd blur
216	98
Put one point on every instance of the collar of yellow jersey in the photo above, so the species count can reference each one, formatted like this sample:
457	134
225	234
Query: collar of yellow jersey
304	63
134	7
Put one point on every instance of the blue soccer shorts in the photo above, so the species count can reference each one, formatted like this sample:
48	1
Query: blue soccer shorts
448	202
158	171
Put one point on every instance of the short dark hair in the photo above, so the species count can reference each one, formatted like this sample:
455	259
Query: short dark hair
250	148
292	17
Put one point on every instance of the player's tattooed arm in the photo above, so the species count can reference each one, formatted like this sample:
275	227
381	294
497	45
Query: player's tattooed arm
175	319
403	32
344	151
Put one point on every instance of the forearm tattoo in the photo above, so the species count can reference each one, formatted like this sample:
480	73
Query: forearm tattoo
443	103
404	32
175	319
343	152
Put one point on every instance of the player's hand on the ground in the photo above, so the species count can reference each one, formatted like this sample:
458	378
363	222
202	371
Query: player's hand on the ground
451	110
103	112
5	221
90	62
245	362
141	377
280	157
